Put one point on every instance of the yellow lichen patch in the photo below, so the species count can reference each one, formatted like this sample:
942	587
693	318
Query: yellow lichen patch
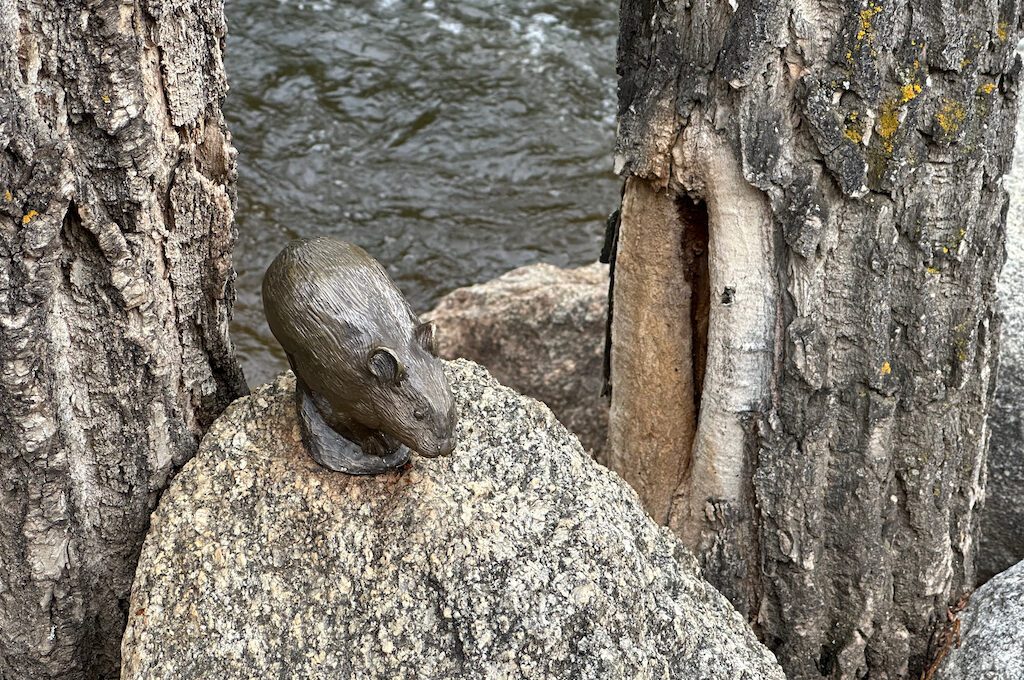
950	116
987	88
1003	31
8	196
29	216
854	130
960	341
888	124
954	243
886	369
866	16
909	91
106	99
932	270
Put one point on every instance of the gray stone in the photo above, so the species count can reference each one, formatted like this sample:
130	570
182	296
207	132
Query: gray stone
1002	517
539	329
991	638
516	557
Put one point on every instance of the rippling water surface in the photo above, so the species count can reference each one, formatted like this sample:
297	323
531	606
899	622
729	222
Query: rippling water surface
452	140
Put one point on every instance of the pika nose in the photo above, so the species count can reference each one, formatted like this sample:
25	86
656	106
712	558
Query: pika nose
442	448
445	447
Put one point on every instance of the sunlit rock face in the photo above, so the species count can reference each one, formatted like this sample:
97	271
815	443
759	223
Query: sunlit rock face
516	557
539	329
1002	516
989	644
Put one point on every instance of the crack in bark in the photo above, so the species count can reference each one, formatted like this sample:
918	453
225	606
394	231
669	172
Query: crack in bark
693	217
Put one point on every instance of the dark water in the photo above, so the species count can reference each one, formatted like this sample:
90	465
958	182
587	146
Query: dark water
452	140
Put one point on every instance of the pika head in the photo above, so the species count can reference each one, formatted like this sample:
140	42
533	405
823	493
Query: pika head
411	399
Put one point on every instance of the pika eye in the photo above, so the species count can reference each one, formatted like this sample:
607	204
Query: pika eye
419	414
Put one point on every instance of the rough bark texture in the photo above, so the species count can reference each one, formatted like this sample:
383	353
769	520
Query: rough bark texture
850	158
116	193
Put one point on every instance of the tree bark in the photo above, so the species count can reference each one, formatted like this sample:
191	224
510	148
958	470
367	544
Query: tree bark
823	448
116	195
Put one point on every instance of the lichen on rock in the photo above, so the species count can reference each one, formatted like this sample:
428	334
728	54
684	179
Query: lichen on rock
518	556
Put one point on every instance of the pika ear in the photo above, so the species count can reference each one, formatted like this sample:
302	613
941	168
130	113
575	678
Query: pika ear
426	336
385	366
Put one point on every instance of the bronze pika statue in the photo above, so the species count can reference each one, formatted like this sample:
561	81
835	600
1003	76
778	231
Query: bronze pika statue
368	380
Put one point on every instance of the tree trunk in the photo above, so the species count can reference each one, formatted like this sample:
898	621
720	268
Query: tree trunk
116	193
804	337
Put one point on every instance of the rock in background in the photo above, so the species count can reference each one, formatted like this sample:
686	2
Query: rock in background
1002	517
990	643
517	557
540	330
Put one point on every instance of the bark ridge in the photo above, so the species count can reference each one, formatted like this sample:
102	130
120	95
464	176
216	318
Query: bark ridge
116	206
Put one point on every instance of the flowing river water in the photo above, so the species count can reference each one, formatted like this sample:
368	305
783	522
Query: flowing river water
452	140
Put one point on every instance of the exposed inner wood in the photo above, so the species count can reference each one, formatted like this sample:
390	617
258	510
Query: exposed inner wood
654	348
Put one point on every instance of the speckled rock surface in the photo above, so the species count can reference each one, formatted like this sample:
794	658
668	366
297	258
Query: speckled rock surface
540	330
1002	516
991	632
517	557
